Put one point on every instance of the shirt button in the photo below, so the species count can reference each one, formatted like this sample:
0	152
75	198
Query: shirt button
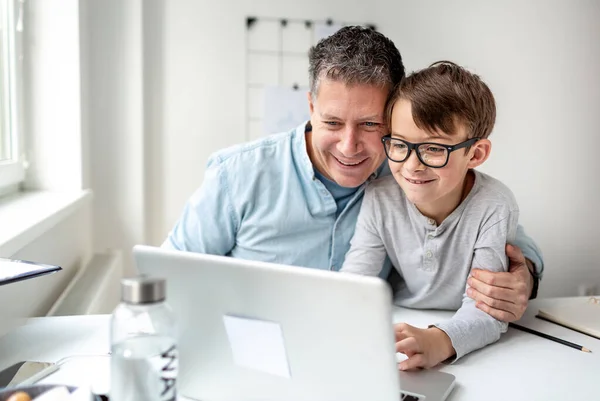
428	254
430	236
431	221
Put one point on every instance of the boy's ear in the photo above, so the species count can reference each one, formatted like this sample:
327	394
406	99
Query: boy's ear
480	151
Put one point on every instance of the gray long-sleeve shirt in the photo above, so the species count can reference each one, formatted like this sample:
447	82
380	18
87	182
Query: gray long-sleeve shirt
435	261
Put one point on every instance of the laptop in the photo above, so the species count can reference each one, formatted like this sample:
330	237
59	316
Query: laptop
260	331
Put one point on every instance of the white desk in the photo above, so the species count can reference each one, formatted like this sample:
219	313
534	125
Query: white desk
520	366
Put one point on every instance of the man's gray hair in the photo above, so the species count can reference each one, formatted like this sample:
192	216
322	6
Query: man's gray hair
355	55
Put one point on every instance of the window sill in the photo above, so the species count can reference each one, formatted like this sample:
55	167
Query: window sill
26	215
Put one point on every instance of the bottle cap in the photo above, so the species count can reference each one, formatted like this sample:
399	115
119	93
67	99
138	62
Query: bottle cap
143	290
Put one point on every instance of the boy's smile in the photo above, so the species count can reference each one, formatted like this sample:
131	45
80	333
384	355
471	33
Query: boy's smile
418	182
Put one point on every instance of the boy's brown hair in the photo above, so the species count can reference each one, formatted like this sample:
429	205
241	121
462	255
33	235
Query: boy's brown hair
443	95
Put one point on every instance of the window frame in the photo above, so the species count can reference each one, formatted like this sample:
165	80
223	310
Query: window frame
12	170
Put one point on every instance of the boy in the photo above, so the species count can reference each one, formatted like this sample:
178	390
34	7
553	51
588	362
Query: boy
436	218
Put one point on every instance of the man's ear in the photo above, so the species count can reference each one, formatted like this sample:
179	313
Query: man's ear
311	106
480	151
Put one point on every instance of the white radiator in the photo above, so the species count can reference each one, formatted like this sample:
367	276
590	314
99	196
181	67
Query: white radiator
95	289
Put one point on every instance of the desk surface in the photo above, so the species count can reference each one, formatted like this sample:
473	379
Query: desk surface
520	366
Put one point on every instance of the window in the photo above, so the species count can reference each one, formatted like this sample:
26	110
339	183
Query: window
11	163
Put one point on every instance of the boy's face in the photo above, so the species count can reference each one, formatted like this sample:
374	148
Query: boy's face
347	126
432	189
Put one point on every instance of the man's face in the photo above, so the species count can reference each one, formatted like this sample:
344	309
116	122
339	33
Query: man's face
347	126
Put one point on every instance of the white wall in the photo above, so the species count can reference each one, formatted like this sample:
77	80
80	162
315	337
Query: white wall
153	16
113	106
541	60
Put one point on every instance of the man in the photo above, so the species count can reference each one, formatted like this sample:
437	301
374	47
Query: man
293	198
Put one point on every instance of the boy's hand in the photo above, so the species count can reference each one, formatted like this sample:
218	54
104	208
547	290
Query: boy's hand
424	348
503	295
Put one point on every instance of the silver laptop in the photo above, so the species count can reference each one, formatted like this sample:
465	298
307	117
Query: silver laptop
260	331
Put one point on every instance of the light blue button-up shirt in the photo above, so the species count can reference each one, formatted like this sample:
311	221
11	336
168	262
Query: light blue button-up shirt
262	201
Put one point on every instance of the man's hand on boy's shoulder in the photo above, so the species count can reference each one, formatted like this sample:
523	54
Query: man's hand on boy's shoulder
503	295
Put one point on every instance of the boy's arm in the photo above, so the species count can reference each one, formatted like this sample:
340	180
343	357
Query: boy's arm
505	295
471	328
367	253
208	223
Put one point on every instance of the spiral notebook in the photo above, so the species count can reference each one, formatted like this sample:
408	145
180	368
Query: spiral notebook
582	315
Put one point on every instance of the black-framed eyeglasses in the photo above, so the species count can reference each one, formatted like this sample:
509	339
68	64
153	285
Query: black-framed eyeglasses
434	155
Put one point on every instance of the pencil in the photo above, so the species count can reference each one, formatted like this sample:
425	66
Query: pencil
549	337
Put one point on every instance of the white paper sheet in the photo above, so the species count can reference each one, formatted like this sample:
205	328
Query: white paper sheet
285	109
258	345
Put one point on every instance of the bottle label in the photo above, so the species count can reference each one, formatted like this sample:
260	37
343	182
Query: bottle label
167	364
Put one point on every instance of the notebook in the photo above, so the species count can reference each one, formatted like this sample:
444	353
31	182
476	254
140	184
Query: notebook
581	315
12	270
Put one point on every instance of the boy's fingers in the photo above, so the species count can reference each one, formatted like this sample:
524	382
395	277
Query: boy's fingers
408	346
414	362
401	327
400	336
